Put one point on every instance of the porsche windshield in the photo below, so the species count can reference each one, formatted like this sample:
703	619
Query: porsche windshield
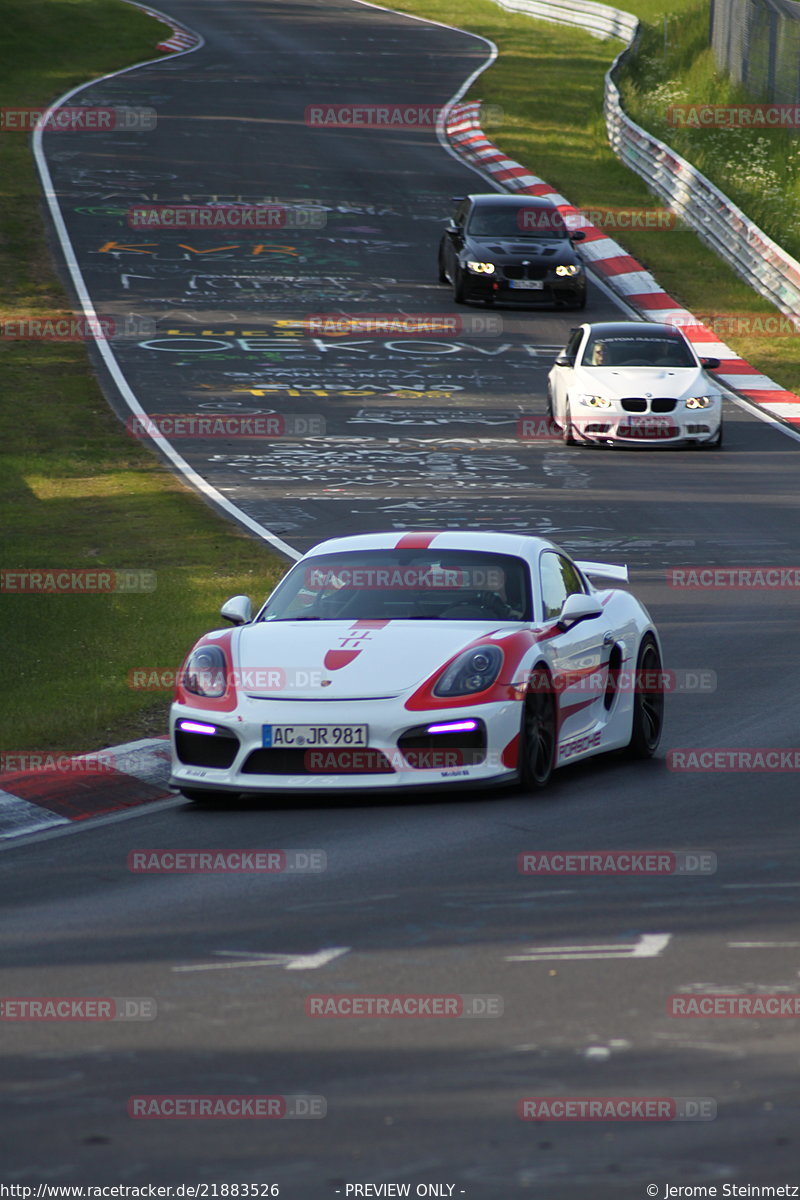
416	585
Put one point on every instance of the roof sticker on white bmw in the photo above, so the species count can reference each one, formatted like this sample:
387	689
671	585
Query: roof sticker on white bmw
416	541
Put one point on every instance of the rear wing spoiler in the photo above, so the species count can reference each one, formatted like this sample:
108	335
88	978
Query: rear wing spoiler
606	570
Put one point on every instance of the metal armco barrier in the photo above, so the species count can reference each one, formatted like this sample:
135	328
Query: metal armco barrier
717	221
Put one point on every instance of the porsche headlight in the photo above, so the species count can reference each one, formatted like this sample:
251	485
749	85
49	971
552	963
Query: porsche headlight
596	401
699	401
481	268
205	673
473	671
568	269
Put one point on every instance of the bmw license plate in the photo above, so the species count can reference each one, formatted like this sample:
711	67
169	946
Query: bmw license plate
528	285
310	736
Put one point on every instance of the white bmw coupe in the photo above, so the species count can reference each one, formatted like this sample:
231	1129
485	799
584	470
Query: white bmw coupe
634	383
391	661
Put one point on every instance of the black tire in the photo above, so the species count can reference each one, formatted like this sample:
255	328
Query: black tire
459	290
648	703
566	431
537	739
550	403
442	277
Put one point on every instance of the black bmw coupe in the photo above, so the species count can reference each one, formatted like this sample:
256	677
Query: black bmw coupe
515	249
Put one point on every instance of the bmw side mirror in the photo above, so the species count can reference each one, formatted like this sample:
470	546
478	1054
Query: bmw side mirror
579	607
577	235
451	226
238	610
564	360
709	364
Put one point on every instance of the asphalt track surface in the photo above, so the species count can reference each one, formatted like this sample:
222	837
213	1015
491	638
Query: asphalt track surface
424	894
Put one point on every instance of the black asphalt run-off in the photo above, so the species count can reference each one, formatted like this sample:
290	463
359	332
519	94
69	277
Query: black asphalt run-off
425	894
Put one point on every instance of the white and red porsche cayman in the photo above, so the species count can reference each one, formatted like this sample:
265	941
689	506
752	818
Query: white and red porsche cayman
389	661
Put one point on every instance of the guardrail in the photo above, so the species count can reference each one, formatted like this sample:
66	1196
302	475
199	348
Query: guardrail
598	19
716	220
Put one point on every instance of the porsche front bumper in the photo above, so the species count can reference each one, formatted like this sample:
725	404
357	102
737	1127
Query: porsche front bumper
233	757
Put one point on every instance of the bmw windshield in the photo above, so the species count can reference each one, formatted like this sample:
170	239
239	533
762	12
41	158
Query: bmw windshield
517	222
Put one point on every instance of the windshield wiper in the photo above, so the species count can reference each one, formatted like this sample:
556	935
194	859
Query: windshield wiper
275	620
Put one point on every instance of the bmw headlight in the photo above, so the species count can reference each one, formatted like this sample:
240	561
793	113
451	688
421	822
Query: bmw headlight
473	671
568	269
596	401
699	401
205	673
481	268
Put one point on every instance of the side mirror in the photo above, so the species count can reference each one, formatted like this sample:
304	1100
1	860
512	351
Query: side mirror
577	236
564	360
451	226
238	610
709	364
579	607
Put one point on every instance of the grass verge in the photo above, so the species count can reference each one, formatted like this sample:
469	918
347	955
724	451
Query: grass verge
75	490
548	82
758	168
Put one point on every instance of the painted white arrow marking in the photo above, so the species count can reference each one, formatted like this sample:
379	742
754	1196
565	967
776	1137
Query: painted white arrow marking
649	945
289	962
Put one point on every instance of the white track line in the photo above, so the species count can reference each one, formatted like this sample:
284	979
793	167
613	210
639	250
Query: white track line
103	346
